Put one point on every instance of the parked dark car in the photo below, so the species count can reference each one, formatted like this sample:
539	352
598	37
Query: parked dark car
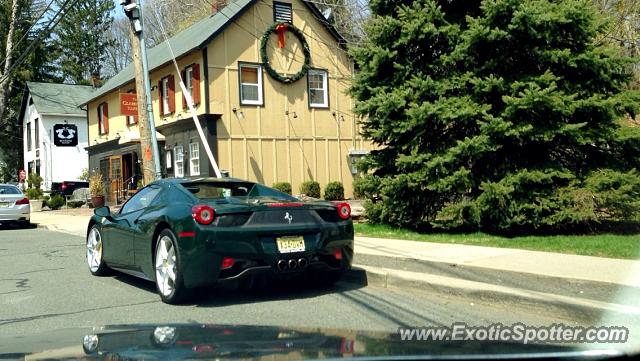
66	188
188	233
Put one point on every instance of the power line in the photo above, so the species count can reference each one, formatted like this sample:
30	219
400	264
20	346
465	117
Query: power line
306	34
46	97
39	17
52	24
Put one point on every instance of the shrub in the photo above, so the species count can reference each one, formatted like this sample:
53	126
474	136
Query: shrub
75	204
33	193
310	189
96	186
283	187
34	180
359	188
55	202
85	175
334	191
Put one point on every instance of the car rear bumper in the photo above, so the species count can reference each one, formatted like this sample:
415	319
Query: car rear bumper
202	264
15	213
270	272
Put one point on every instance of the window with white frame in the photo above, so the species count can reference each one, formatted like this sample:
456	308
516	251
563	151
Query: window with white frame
179	161
250	84
103	119
169	160
36	131
318	89
188	80
194	159
28	136
165	96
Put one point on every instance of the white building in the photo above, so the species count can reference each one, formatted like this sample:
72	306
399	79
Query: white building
54	131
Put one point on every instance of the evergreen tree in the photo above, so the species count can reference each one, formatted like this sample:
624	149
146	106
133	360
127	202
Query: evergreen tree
499	115
82	39
37	66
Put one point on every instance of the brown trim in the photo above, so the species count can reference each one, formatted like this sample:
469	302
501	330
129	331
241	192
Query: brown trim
171	93
195	83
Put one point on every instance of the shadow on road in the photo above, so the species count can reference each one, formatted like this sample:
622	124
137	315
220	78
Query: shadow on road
12	226
254	292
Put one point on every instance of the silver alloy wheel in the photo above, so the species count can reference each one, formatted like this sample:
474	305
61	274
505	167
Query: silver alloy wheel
164	335
94	250
165	266
90	343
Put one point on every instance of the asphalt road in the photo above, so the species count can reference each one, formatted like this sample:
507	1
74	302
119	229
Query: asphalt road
45	286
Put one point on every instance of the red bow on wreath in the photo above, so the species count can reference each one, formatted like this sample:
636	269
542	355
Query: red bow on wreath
281	29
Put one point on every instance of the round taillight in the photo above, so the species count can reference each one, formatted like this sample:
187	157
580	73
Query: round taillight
203	214
344	210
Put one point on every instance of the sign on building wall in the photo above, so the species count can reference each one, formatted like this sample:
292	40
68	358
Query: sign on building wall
65	135
128	104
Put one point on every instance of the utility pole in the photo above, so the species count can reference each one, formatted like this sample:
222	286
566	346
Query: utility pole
148	140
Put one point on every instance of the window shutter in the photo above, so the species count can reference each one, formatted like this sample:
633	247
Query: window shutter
282	12
160	102
172	94
105	111
195	73
99	127
184	100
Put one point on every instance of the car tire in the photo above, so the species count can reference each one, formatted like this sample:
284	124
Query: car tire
95	252
168	273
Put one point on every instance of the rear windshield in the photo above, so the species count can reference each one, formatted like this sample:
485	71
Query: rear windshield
215	190
9	190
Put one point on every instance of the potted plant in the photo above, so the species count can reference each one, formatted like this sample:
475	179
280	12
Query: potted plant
34	193
96	189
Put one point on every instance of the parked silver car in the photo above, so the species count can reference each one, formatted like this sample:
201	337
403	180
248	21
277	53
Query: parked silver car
14	205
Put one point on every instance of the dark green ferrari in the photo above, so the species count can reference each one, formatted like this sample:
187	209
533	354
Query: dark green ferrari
183	234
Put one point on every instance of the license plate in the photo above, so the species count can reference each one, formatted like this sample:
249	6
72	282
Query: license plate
290	244
4	205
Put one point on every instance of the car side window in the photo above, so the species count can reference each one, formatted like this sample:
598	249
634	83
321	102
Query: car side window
141	200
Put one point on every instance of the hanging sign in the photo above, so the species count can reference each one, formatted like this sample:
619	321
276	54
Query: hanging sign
65	135
128	104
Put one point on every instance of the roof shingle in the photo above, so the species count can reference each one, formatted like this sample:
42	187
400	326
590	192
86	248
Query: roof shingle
52	98
193	37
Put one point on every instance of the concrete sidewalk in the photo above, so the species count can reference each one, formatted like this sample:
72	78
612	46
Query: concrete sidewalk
599	269
608	270
73	221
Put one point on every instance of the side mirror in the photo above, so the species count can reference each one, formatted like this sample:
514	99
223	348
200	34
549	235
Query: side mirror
102	211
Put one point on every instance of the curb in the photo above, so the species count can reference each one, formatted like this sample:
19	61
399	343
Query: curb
53	228
476	291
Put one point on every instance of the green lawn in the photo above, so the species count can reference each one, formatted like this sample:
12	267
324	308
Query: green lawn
604	245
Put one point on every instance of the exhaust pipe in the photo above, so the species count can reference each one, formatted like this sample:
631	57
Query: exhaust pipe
282	265
293	264
302	263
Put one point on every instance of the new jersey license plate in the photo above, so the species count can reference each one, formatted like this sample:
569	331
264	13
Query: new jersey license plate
290	244
4	205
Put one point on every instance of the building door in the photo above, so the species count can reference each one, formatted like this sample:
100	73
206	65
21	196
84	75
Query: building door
115	179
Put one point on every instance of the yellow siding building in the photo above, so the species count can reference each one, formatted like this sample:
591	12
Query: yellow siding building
260	128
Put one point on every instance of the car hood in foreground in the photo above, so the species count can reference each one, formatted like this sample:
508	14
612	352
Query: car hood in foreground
191	341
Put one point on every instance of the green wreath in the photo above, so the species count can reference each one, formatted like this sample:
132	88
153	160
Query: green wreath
305	49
